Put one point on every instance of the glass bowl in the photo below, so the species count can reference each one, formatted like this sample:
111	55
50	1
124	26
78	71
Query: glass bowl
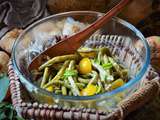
125	42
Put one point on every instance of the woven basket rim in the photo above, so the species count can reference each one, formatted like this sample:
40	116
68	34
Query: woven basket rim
29	109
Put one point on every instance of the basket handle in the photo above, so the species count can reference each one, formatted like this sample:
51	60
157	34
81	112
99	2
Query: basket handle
139	98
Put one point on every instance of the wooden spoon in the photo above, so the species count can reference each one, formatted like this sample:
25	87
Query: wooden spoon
71	44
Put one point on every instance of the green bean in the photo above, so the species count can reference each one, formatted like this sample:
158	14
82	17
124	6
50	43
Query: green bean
100	85
58	59
82	80
45	76
86	76
102	51
98	89
99	57
56	88
108	68
59	74
57	66
64	90
105	59
61	83
116	66
105	50
58	91
102	72
89	54
80	85
50	77
66	84
74	87
71	65
94	79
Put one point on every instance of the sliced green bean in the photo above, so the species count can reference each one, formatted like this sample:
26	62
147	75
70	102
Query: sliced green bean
59	74
56	88
116	66
71	65
102	72
86	76
102	51
101	86
50	77
74	87
58	59
82	80
99	57
64	90
105	50
94	79
57	66
80	85
105	59
67	85
107	68
45	77
58	91
61	83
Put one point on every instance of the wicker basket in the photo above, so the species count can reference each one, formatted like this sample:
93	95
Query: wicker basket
29	109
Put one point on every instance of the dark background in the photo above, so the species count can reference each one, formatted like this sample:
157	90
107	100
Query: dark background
144	14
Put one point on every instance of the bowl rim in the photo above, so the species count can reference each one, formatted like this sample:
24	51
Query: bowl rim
77	98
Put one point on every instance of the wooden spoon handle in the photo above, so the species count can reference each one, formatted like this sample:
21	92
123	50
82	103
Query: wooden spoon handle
86	33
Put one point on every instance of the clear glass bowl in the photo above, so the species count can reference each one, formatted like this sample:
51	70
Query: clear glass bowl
126	43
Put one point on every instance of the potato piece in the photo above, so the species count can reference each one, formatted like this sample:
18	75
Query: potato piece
140	9
4	59
49	27
8	39
154	43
